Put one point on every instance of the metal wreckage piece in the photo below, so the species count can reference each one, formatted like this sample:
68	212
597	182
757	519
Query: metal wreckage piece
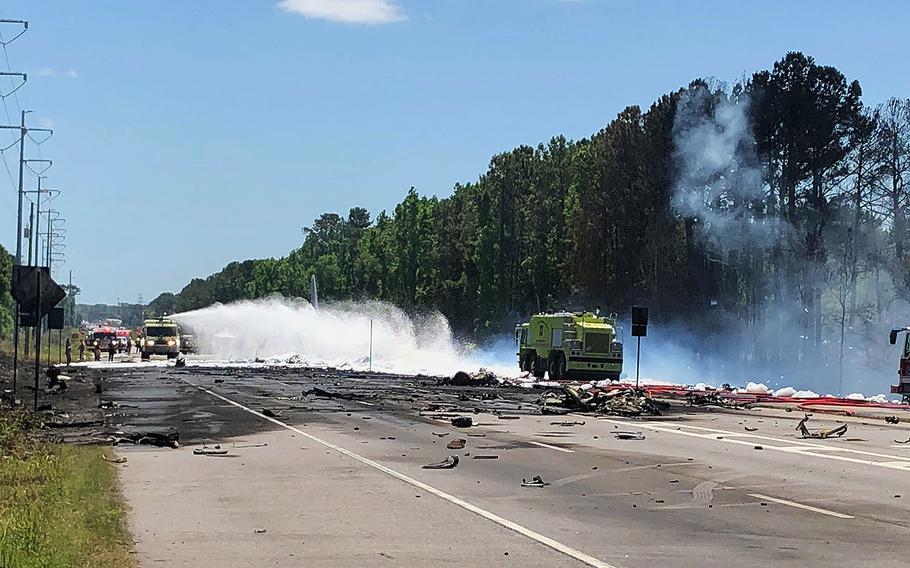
617	402
820	434
447	463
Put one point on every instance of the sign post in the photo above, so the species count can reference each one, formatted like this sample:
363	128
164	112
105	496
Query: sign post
639	330
36	294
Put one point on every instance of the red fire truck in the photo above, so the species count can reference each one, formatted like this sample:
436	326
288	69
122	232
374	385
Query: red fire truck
903	373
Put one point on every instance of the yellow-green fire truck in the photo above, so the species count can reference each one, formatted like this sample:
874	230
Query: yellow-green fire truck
569	345
160	336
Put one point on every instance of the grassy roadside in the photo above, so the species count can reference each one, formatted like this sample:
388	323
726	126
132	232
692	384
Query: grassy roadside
60	505
50	351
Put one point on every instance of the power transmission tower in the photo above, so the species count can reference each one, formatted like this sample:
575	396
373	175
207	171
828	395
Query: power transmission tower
23	132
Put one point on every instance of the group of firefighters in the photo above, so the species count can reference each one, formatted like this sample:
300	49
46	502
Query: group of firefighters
96	348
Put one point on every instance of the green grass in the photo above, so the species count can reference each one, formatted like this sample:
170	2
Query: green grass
48	348
59	505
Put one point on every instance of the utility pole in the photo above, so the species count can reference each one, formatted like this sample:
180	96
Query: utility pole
23	131
31	238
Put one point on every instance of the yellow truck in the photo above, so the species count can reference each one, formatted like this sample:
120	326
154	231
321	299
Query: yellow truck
569	345
160	336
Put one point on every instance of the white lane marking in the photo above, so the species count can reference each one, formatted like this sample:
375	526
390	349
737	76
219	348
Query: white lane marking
364	402
801	444
654	466
688	506
582	476
901	464
533	535
557	448
801	506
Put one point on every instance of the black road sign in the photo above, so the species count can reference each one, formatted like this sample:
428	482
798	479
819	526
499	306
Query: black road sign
25	288
639	321
55	318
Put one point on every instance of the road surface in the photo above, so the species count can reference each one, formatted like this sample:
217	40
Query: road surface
339	482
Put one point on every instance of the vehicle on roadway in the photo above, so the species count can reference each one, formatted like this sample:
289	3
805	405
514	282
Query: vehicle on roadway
903	371
102	337
123	340
569	345
160	336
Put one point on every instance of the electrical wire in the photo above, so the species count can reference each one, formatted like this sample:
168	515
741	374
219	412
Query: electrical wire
6	166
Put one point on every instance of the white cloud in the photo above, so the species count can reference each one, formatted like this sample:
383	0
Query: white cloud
370	12
51	72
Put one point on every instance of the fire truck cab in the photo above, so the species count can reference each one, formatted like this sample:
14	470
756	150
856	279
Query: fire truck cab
903	373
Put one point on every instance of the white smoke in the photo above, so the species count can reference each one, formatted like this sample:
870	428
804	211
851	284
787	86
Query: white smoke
719	185
720	181
335	335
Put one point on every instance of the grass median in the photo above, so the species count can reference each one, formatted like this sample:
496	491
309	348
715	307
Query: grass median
60	505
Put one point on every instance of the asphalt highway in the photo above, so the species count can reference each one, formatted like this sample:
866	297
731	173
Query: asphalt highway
335	478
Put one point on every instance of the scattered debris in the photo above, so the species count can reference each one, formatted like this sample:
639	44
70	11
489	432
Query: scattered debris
271	413
629	435
261	531
751	429
55	381
209	451
462	422
618	402
180	362
485	457
166	440
457	444
907	441
262	445
217	381
536	481
820	434
447	463
73	423
507	417
441	434
115	460
582	423
758	447
482	378
892	420
316	391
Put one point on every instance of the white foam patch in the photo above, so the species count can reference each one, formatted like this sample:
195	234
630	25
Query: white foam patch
785	392
805	394
755	388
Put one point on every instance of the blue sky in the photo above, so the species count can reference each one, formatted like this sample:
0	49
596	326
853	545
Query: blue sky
190	134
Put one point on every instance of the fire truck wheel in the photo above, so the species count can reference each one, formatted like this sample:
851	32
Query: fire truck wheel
556	368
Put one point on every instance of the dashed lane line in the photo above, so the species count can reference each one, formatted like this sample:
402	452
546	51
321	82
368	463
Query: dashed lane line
801	506
557	448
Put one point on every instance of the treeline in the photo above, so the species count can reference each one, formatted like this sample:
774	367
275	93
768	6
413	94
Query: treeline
7	306
637	214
